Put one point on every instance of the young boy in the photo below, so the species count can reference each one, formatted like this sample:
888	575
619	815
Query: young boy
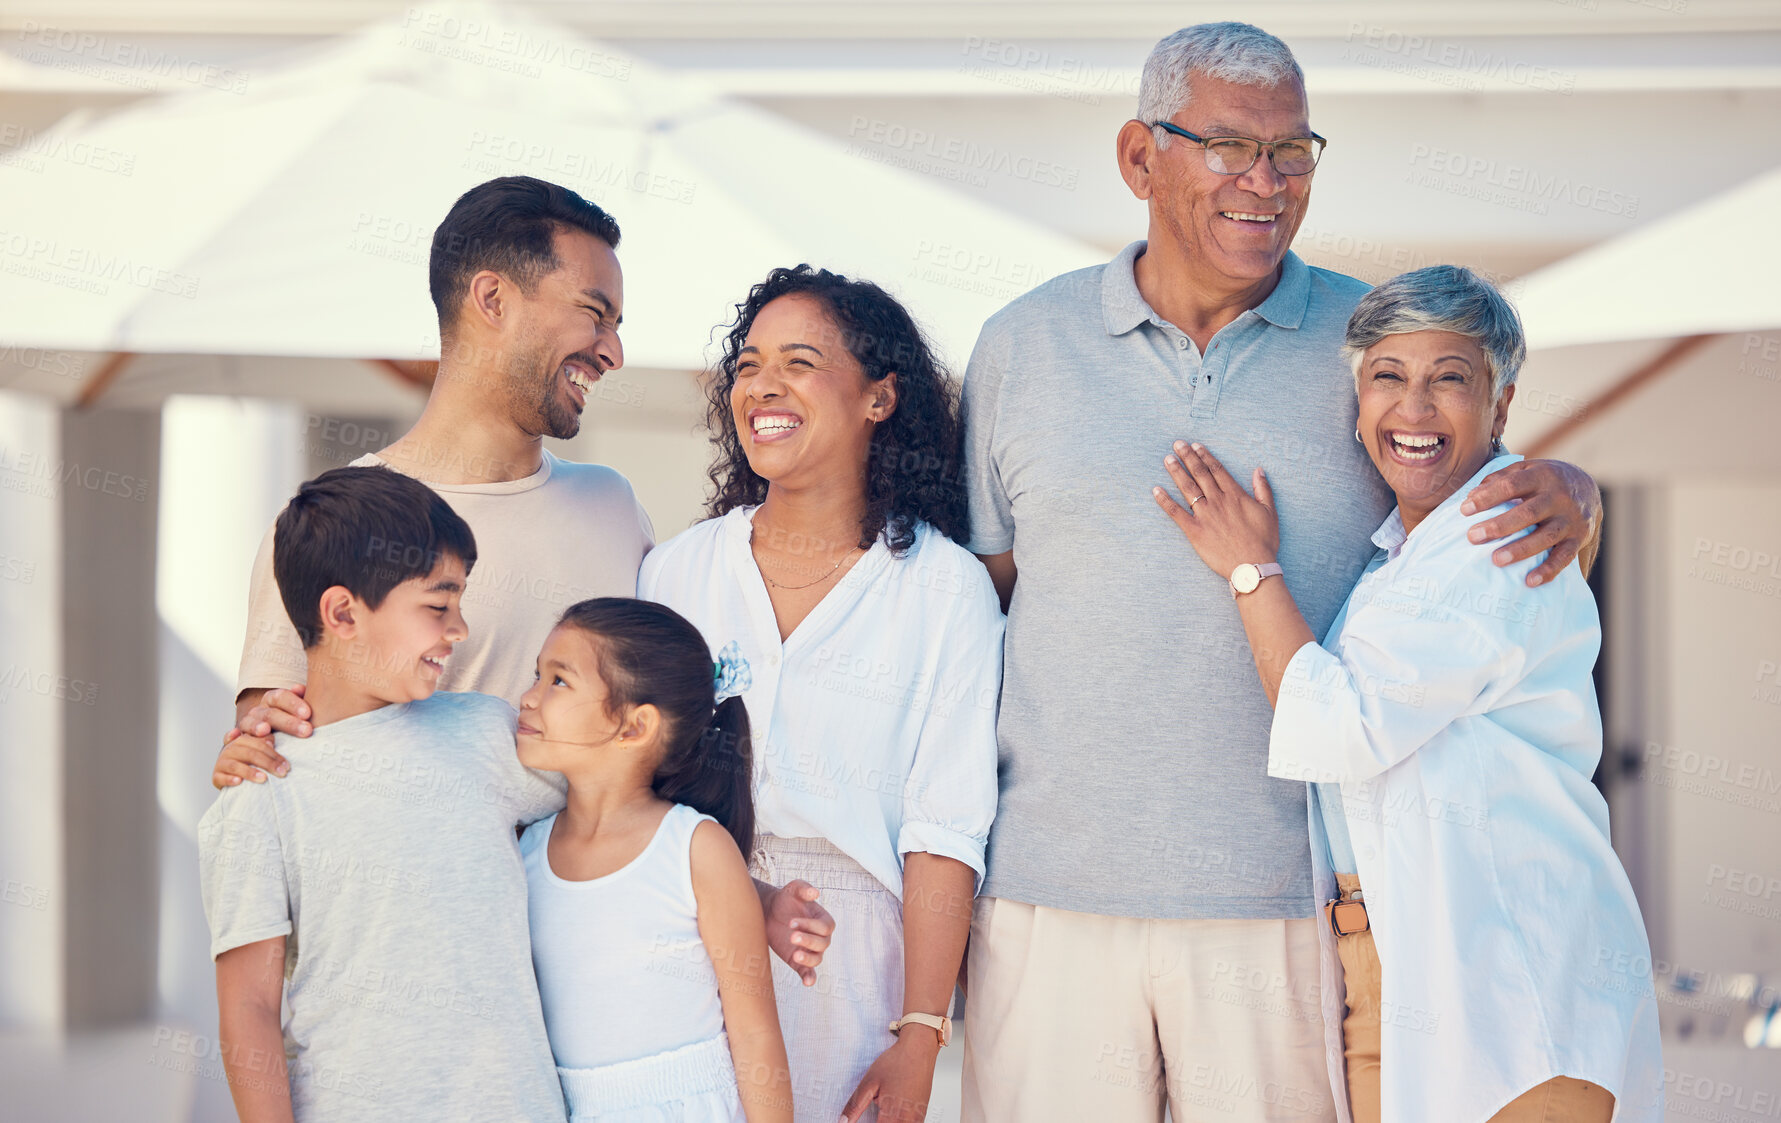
378	892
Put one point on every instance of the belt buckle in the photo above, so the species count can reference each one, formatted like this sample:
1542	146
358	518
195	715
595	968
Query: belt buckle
1335	911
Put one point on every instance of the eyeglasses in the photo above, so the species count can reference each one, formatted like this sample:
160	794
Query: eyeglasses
1234	155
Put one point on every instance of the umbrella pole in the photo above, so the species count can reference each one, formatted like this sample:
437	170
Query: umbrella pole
1661	364
103	378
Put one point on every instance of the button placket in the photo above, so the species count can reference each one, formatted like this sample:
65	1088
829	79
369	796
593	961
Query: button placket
1191	360
1212	375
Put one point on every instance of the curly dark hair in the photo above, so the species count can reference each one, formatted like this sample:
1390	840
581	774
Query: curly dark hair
914	469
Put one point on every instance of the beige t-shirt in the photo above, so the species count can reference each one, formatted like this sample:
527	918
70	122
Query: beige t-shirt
563	534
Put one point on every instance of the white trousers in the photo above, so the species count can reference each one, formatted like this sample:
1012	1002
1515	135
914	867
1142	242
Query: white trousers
837	1028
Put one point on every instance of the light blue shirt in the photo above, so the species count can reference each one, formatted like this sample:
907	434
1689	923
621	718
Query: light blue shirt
1454	707
1335	828
1390	538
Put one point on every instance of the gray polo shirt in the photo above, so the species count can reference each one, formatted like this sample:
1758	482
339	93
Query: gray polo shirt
1133	732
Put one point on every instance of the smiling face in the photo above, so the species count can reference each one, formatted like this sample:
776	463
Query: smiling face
803	407
397	651
564	336
1427	416
1237	226
564	716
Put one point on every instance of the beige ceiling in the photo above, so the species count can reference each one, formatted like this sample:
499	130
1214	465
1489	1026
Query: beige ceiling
935	18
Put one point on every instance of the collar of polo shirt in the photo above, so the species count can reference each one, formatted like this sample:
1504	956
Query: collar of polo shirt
1124	307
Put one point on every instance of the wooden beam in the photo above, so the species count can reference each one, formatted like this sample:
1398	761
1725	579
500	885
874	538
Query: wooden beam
102	379
1658	366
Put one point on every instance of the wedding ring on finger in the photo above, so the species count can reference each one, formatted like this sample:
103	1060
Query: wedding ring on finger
1191	502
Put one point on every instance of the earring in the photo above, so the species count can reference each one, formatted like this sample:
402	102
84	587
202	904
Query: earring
1496	445
1357	439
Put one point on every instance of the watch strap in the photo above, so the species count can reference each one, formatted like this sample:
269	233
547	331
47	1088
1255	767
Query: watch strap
1263	571
938	1023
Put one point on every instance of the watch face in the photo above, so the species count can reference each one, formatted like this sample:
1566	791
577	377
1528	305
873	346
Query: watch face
1245	578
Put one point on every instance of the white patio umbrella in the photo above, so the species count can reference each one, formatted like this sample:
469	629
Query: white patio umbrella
1647	353
293	222
1708	269
59	71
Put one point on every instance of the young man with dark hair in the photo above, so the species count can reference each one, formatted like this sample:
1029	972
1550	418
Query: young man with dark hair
530	296
390	858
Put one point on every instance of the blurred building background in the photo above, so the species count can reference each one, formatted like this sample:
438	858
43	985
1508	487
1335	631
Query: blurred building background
214	220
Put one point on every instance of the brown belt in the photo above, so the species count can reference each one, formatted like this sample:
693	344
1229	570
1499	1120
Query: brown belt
1347	918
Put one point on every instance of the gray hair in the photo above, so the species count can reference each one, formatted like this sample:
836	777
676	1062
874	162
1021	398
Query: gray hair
1441	298
1231	52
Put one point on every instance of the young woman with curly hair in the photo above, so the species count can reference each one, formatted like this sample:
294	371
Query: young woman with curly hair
832	584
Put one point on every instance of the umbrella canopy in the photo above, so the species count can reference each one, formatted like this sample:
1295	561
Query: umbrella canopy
1648	356
58	73
1707	270
294	220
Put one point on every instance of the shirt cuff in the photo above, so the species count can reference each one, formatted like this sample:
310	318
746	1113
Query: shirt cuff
989	547
1304	720
932	838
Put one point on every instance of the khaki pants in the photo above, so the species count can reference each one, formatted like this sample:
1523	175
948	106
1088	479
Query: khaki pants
1559	1100
1073	1017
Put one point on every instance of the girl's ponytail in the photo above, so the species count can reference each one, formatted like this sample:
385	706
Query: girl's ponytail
716	773
650	654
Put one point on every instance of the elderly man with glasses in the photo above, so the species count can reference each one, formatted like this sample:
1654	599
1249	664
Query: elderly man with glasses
1145	932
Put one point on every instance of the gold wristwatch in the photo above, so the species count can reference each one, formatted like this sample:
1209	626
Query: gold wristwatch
1247	577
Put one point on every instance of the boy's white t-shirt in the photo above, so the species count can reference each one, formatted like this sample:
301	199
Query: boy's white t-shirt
565	533
389	861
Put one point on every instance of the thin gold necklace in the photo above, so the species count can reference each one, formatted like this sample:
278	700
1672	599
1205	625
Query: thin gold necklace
807	584
819	580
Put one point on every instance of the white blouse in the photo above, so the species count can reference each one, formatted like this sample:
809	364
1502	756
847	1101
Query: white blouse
1455	708
875	721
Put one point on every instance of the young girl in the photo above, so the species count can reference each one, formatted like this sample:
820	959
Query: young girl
647	934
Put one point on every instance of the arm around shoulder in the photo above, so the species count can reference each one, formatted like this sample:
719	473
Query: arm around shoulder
1559	500
269	684
735	935
271	653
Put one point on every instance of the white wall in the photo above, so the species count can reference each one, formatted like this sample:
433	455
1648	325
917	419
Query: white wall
31	900
227	468
1721	762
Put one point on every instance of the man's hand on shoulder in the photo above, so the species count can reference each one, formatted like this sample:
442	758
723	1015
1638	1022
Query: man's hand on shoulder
1560	501
247	749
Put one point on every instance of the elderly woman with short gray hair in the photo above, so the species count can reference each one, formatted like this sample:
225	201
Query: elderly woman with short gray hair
1496	967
